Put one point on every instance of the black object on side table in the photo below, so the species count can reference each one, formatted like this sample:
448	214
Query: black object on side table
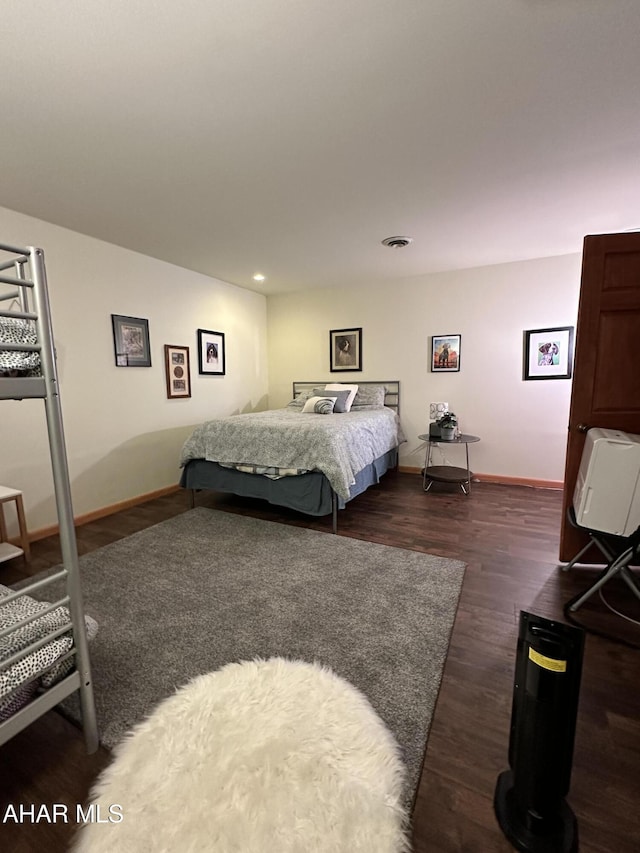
447	473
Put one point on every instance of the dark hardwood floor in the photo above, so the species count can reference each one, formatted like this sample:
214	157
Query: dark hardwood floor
508	536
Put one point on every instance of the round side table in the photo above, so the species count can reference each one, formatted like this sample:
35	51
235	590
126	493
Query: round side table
447	473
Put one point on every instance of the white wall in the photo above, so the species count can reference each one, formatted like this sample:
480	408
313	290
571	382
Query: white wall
522	425
123	435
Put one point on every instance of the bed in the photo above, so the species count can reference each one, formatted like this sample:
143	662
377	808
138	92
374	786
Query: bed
17	331
38	637
44	653
298	458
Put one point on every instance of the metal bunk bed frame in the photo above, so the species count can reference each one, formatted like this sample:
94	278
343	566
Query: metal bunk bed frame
30	278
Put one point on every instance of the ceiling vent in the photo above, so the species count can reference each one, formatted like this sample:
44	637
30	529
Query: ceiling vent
397	242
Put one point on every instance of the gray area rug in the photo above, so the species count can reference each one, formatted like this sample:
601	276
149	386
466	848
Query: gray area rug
205	588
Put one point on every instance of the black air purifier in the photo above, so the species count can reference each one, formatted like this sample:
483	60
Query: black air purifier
529	798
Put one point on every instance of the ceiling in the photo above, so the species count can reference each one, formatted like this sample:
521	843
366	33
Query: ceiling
291	136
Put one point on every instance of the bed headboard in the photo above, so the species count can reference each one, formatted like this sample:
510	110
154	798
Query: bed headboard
391	388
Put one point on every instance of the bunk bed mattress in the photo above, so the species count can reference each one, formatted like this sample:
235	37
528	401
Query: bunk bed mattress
14	330
338	446
39	668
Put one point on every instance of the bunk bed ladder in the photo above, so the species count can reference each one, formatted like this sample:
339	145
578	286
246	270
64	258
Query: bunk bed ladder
32	259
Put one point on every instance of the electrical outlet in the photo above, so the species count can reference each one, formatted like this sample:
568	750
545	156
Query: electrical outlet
437	409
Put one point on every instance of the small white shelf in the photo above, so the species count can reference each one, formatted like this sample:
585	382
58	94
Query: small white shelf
9	551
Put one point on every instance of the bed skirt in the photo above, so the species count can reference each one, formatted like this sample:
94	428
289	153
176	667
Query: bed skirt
309	493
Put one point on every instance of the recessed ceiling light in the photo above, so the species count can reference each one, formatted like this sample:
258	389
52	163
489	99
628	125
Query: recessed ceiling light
397	242
259	277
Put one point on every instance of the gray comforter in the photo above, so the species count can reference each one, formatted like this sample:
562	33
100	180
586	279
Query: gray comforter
338	445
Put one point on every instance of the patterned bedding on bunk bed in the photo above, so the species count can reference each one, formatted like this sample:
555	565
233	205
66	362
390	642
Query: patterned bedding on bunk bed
14	330
289	441
38	669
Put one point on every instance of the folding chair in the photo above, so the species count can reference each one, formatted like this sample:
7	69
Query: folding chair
619	551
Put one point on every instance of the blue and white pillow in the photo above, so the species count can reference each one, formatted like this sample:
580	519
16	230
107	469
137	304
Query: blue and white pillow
319	406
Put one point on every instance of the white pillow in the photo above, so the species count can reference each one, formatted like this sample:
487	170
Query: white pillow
353	389
319	406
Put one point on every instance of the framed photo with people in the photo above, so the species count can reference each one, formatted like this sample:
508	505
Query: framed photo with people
176	365
345	349
131	341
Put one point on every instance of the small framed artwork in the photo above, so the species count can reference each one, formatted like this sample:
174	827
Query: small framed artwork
445	353
548	353
345	349
176	363
131	341
211	357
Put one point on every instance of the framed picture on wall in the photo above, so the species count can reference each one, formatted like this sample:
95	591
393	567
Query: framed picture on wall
345	349
176	364
445	353
548	353
131	341
211	356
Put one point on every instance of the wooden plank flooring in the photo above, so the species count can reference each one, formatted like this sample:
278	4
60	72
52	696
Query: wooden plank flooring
508	536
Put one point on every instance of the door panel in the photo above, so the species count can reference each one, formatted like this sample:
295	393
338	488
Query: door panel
606	378
616	390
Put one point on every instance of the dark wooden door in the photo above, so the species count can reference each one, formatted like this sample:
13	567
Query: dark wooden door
606	376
